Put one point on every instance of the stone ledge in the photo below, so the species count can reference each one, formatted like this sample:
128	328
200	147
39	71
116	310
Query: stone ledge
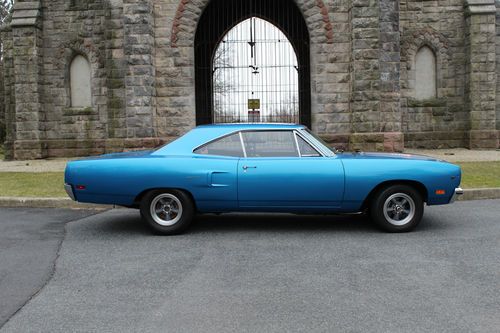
26	14
412	102
478	7
75	111
27	5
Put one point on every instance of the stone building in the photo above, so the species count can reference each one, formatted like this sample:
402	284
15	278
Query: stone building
92	76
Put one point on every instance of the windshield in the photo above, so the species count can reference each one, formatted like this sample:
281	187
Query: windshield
319	142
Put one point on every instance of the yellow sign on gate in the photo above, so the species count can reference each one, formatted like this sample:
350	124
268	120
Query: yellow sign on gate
254	104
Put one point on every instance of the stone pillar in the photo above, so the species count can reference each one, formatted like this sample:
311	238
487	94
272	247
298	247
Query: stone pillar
116	69
375	93
390	62
27	63
481	72
8	99
2	105
140	75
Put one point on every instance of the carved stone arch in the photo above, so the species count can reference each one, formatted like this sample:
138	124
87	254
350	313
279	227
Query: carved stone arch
188	12
429	37
68	51
212	26
425	37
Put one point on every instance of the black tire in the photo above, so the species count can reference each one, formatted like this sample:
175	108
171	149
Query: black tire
176	215
397	208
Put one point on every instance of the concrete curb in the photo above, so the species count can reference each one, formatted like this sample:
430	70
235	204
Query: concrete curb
469	194
15	202
480	193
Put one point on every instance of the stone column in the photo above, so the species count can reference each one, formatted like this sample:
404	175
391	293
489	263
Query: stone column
116	69
375	93
2	105
27	63
140	74
481	72
390	62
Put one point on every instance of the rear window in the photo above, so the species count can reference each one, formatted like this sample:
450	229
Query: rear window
227	146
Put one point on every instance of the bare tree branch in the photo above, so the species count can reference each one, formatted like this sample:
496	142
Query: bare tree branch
5	10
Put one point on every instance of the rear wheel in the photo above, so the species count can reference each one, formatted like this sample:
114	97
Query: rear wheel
167	212
397	208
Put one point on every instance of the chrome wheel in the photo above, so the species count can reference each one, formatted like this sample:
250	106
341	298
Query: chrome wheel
399	209
166	209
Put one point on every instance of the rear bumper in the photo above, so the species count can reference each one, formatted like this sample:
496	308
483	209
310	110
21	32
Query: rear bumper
458	192
69	191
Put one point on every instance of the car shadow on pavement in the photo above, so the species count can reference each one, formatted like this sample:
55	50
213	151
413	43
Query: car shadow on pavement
130	223
280	223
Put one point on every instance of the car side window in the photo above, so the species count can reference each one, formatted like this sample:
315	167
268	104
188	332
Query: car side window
305	149
227	146
270	144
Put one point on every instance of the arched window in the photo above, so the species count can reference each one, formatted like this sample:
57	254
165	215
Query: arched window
81	96
425	74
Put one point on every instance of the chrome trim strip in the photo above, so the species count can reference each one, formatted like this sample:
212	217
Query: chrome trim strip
243	145
296	143
69	191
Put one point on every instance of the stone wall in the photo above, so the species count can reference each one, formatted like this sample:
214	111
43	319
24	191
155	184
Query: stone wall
143	77
441	122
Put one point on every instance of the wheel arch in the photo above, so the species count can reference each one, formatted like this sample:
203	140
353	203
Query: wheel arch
138	198
412	183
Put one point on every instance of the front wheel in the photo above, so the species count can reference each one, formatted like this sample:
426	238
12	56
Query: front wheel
397	208
167	212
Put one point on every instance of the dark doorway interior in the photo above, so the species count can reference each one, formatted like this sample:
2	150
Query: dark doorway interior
249	27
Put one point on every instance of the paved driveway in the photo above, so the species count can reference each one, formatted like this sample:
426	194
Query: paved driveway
29	241
281	273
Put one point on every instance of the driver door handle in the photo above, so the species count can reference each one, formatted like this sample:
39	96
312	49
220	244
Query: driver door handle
246	167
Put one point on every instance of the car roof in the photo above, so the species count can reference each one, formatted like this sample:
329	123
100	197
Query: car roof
205	133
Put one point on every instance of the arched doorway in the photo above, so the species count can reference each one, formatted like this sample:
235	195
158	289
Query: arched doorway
252	63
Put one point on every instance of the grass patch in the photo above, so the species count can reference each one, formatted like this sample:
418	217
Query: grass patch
2	153
480	174
27	184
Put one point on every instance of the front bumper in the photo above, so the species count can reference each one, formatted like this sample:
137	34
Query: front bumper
458	192
69	191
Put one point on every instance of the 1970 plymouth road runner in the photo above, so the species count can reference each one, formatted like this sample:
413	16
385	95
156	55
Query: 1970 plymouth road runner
262	168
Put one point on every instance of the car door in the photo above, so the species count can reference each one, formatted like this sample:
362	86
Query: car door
274	174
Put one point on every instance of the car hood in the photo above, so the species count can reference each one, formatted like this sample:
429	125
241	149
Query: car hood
389	156
131	154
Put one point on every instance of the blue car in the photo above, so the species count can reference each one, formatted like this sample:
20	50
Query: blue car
262	168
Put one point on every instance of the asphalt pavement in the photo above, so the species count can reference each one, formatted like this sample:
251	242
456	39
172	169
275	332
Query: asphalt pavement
259	273
29	241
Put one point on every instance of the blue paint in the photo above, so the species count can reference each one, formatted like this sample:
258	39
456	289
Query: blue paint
336	183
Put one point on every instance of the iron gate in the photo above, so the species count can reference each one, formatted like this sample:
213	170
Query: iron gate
252	63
